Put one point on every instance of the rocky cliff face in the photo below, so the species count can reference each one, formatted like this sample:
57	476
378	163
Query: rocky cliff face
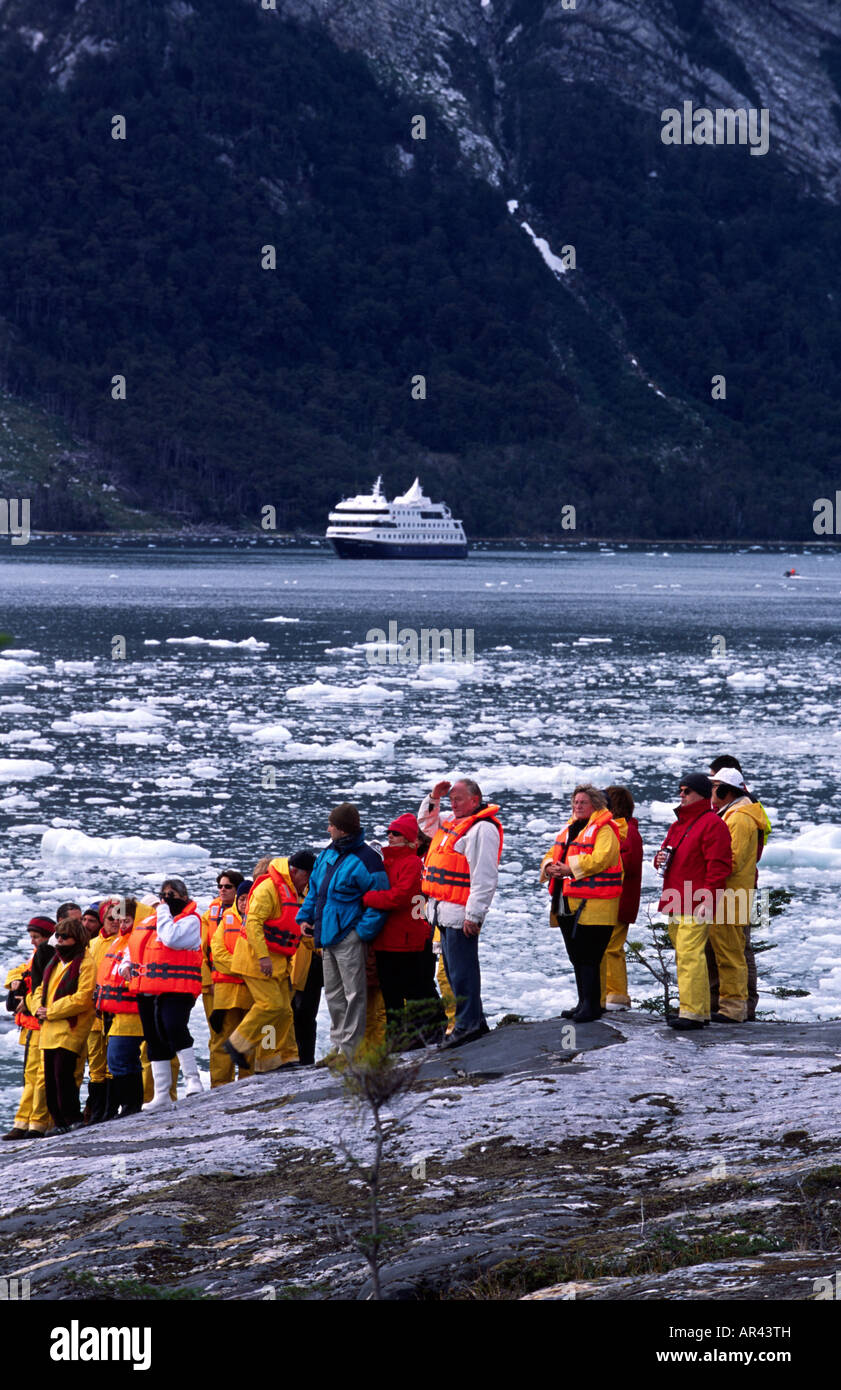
463	54
651	54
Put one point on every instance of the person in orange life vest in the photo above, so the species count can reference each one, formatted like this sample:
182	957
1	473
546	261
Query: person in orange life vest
726	760
117	1008
262	956
695	859
231	999
460	880
164	966
306	982
96	1108
64	1006
32	1118
400	948
227	882
614	974
584	873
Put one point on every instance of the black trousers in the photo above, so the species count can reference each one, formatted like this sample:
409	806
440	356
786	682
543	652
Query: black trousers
406	978
585	947
164	1018
305	1004
60	1085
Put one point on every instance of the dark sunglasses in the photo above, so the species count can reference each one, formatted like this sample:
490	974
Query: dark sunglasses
64	936
225	885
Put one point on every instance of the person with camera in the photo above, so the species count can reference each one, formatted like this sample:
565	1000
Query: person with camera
695	860
163	966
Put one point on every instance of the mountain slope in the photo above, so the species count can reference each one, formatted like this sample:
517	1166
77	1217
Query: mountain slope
398	257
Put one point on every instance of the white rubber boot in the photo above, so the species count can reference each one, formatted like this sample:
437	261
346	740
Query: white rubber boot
187	1059
162	1079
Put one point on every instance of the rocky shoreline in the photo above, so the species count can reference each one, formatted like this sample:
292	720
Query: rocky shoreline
615	1161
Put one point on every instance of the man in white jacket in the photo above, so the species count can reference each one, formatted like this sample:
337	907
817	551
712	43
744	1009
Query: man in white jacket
163	959
460	880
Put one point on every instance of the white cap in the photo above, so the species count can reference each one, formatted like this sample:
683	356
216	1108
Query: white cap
731	776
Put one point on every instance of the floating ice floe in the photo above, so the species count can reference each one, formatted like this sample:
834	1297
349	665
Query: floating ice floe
114	718
97	849
21	653
559	779
661	812
748	680
270	733
817	847
373	787
10	668
23	769
138	738
249	644
281	619
344	750
366	693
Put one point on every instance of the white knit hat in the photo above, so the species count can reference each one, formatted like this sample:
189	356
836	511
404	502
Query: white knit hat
731	776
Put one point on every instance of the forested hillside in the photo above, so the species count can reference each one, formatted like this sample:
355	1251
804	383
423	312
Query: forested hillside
141	257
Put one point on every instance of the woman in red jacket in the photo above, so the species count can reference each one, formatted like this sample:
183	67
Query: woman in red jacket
401	947
614	972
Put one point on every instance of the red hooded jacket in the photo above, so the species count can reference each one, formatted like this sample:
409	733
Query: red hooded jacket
406	928
631	850
701	858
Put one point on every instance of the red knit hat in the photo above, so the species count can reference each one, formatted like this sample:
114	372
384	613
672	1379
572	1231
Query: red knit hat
41	924
407	826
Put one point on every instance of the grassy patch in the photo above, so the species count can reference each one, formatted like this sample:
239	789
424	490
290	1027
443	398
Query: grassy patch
131	1290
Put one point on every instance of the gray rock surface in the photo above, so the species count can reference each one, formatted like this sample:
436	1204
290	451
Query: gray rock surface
614	1160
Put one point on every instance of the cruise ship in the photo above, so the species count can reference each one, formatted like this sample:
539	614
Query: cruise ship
369	527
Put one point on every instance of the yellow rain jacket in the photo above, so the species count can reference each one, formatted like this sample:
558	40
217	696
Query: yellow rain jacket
264	904
596	911
226	995
69	1019
746	820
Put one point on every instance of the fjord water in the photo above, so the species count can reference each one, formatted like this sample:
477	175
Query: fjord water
623	664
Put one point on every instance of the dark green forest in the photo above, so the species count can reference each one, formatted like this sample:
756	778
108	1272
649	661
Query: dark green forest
245	386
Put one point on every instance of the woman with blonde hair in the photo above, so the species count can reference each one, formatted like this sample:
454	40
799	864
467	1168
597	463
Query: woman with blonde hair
584	873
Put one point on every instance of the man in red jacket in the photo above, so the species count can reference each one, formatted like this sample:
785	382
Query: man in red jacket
401	947
695	860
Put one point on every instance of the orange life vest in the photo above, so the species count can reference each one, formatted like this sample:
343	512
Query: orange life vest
23	1018
446	874
230	935
112	993
158	969
283	935
607	883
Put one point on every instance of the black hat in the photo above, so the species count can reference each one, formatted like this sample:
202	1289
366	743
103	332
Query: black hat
302	859
698	782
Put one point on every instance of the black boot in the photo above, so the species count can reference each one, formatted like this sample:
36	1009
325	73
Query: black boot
131	1095
95	1107
590	986
112	1097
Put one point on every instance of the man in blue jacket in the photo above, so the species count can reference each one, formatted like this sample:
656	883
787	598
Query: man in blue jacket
333	912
